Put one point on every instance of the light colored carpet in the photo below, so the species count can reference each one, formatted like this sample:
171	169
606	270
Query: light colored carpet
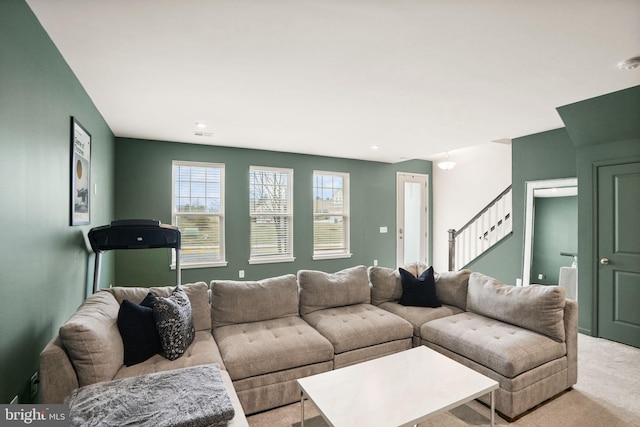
607	395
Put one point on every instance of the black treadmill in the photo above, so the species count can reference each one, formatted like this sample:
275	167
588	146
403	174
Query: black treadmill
133	234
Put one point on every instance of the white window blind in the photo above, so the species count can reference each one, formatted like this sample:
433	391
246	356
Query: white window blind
198	211
330	215
271	214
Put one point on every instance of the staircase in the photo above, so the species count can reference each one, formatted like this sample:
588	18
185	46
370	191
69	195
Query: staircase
488	227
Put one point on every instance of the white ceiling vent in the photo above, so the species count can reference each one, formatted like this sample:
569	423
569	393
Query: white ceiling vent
199	133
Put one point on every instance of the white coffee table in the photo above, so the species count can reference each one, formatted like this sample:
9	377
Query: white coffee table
401	389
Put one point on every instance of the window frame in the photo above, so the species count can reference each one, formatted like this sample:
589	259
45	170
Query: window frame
319	254
222	262
271	258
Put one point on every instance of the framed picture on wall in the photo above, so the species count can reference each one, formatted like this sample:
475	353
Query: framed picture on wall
80	174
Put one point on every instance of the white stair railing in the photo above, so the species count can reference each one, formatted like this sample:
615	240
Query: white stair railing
488	227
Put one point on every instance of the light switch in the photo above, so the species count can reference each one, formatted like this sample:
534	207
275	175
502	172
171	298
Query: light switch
383	230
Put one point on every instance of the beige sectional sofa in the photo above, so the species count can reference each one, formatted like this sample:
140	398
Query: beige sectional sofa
266	334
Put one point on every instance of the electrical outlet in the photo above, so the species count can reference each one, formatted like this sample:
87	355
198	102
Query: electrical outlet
241	274
375	262
34	384
14	401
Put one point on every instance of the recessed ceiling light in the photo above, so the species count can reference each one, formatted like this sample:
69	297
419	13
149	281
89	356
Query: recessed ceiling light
375	147
629	64
201	125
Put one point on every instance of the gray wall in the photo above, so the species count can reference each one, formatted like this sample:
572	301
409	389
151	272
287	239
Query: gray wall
44	262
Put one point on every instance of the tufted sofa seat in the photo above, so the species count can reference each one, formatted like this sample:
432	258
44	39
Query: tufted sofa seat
506	349
338	306
263	341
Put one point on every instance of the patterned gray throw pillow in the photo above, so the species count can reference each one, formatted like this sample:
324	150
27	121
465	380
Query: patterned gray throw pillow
174	323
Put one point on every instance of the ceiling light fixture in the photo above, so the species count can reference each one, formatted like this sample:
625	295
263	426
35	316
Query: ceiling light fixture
446	164
201	125
629	64
375	147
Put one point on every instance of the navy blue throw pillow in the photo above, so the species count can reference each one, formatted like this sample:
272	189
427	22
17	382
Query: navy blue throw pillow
419	291
138	330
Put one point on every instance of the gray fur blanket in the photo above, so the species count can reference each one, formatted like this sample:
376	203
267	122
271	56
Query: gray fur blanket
190	397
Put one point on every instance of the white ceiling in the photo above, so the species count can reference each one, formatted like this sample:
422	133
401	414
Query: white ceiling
335	77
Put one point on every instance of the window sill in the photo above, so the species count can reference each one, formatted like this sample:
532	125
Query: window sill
184	266
270	260
331	256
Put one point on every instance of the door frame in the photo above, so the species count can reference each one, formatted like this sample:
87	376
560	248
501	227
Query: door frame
400	214
595	238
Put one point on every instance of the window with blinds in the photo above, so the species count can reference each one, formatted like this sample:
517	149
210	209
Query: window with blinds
271	214
330	215
198	211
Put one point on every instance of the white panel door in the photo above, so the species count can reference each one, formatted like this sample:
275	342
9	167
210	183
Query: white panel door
412	218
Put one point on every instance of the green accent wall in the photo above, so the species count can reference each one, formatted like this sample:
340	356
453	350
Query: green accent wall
143	180
44	262
545	155
556	232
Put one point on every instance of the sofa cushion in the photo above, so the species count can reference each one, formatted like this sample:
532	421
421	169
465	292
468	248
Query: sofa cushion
138	330
198	294
202	351
92	339
173	319
385	284
258	348
418	291
234	302
536	307
360	325
320	290
506	349
418	316
451	288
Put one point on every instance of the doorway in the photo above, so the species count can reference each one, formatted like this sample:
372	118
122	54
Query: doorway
412	218
618	257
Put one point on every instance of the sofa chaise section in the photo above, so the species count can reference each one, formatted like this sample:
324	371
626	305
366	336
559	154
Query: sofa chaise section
523	337
338	306
264	343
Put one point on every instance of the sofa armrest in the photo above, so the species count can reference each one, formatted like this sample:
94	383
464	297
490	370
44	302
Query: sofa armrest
57	376
571	339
